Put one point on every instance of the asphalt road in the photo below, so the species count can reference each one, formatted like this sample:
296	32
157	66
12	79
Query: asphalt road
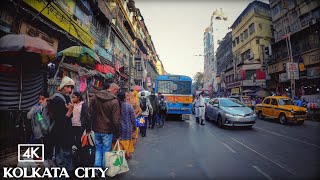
186	150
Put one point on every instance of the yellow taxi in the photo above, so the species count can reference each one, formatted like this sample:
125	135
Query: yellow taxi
281	108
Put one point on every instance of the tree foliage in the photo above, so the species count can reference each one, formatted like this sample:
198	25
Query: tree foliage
198	80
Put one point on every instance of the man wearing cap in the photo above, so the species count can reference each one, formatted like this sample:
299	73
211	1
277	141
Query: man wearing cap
60	136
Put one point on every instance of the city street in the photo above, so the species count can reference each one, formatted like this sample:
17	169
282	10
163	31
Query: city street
187	150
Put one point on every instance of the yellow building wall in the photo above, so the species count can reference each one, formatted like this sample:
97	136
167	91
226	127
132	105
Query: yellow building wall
64	20
262	26
160	68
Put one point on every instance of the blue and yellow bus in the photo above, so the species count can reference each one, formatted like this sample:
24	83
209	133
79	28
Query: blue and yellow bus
177	90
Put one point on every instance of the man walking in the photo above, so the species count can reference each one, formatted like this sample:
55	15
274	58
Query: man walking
163	108
105	108
196	108
146	111
155	106
61	133
202	108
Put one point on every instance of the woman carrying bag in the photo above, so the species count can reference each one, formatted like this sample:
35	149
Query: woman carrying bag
80	126
128	124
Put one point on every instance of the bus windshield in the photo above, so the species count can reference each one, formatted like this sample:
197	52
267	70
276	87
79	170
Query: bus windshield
174	87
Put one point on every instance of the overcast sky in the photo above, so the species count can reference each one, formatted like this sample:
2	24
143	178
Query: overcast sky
177	26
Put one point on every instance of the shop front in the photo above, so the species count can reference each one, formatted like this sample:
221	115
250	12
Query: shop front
306	79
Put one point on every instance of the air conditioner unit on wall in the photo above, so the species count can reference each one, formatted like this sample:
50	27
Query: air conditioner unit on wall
250	56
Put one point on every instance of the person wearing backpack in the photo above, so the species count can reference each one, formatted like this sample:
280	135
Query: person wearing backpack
61	109
163	108
146	108
155	106
35	114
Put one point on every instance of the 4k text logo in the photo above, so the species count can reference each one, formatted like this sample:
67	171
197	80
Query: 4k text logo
30	152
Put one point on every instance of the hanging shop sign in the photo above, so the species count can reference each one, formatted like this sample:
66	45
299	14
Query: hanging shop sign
278	67
235	91
283	77
103	53
258	82
292	70
234	84
301	67
313	72
122	50
6	20
34	32
79	28
312	58
218	80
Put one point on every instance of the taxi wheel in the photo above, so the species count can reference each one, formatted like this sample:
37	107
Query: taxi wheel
282	118
260	115
300	122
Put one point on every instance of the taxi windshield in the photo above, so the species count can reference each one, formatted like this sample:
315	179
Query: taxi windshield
285	102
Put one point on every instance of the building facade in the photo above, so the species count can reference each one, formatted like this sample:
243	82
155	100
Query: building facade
208	61
251	33
224	63
114	29
299	20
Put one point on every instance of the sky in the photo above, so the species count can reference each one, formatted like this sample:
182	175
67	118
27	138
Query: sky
177	26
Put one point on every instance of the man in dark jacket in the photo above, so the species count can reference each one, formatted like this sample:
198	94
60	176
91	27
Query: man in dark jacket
61	134
106	119
155	106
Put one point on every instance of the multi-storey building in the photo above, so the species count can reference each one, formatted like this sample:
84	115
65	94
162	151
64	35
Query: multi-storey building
299	20
207	39
251	33
224	63
113	28
160	67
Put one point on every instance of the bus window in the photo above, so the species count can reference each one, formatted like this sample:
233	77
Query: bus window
174	87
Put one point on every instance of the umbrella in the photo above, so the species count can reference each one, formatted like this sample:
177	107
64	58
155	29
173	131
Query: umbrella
15	44
262	93
138	88
83	54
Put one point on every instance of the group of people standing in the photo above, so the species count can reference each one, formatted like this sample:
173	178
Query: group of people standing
154	109
111	114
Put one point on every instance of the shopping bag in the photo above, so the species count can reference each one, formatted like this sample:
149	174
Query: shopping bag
116	161
141	121
87	139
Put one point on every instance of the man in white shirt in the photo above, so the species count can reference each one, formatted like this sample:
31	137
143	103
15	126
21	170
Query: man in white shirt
202	108
196	108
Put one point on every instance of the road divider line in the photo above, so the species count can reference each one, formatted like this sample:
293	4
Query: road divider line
262	172
227	146
310	144
265	157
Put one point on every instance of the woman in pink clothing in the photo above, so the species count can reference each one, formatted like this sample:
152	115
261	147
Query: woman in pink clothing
79	119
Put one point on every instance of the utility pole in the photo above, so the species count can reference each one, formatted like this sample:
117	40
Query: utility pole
288	43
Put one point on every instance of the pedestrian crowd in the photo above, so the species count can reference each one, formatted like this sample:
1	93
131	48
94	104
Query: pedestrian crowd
78	132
